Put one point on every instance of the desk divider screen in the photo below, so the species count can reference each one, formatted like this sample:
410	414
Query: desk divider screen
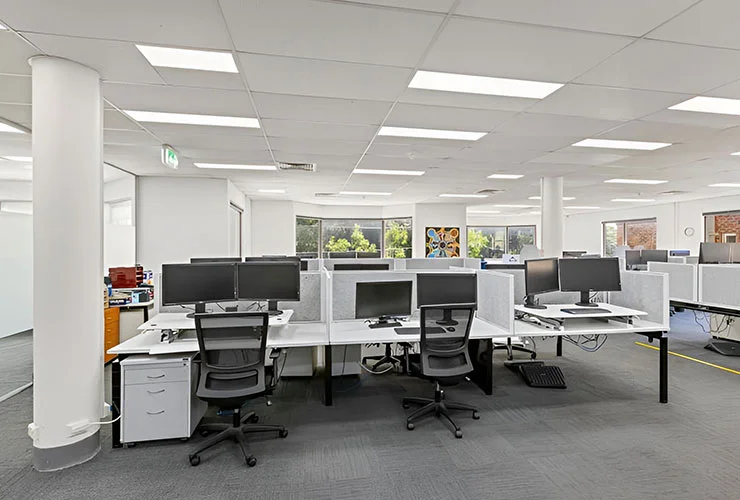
344	286
496	299
439	263
645	291
719	285
682	279
309	307
674	259
329	263
326	298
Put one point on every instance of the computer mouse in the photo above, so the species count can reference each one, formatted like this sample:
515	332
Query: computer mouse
451	329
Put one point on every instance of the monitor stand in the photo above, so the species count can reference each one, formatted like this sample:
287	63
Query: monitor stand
200	308
272	308
447	319
384	322
586	300
529	303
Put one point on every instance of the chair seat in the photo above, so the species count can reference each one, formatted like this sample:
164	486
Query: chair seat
416	371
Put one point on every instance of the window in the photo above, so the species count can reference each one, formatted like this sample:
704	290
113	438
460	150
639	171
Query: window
492	242
121	213
722	227
235	231
632	233
361	237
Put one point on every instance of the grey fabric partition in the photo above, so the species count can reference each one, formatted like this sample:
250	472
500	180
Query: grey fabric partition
344	284
644	291
496	299
329	263
682	279
440	263
719	284
309	307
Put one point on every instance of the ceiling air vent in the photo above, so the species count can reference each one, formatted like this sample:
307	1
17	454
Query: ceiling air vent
490	191
303	167
673	193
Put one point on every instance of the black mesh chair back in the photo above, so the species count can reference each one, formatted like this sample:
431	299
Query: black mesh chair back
445	330
232	351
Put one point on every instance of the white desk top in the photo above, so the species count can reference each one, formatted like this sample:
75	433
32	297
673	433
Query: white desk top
554	311
358	332
138	304
180	321
587	326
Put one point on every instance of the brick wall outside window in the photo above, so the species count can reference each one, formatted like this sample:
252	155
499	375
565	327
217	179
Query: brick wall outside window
726	224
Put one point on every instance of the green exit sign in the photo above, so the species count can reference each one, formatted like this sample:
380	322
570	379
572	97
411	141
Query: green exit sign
169	156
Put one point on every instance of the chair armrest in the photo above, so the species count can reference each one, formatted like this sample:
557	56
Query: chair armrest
276	352
276	368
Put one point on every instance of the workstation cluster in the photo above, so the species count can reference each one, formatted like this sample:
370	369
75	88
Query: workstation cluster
319	319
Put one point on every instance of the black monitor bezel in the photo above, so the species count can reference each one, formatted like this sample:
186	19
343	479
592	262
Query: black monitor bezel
526	276
409	283
254	263
163	292
573	262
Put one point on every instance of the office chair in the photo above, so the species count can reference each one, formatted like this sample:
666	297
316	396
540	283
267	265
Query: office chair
444	359
232	371
381	360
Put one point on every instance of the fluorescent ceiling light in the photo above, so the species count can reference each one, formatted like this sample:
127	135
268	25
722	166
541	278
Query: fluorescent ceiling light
516	206
614	144
735	154
483	212
364	193
204	60
24	159
2	27
4	127
453	195
717	105
371	171
565	198
633	200
231	166
725	185
505	176
428	133
470	84
581	207
271	191
17	207
650	182
187	119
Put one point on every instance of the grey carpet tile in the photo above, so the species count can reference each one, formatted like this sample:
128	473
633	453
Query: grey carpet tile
16	361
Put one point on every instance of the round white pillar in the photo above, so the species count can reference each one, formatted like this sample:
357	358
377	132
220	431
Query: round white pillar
551	192
67	263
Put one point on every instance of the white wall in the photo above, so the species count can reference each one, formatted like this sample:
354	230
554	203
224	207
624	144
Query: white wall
239	199
436	215
273	227
119	241
16	269
179	218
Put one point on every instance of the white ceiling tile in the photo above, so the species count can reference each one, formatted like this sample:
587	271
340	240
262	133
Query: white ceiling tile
485	155
204	79
579	158
114	120
518	51
189	23
16	113
538	125
171	99
664	66
117	61
129	137
459	100
316	146
711	22
310	77
605	102
320	109
313	130
712	120
15	53
624	17
729	91
414	151
446	118
206	138
427	5
509	142
649	131
253	156
331	31
15	89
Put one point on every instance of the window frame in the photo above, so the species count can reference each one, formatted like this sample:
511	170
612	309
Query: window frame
625	223
383	221
506	232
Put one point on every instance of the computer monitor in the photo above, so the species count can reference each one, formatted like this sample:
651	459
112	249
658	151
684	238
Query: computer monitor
368	255
342	255
197	284
654	256
679	253
362	267
573	254
269	280
715	253
735	253
446	288
304	265
590	275
382	300
207	260
632	258
540	276
273	258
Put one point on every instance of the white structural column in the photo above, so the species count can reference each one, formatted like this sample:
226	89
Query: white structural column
551	191
67	263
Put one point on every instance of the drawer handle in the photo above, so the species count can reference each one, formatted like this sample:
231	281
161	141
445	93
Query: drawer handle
156	392
158	376
155	413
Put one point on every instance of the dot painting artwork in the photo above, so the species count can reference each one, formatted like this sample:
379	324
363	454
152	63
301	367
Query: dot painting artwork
442	242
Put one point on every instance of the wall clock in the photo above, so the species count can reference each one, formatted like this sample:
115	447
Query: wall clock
689	231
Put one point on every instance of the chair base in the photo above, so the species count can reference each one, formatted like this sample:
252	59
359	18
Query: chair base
236	432
382	360
439	407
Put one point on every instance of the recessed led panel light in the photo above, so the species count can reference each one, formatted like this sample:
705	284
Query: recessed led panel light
483	212
428	133
565	198
271	191
24	159
4	127
581	207
204	60
614	144
364	193
2	27
471	84
633	200
725	185
505	176
716	105
649	182
230	166
187	119
516	206
735	154
453	195
371	171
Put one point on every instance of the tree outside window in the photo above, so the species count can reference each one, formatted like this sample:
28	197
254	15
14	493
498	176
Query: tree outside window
397	238
491	242
307	236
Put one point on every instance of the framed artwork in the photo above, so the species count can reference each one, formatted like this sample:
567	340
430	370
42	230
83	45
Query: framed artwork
442	242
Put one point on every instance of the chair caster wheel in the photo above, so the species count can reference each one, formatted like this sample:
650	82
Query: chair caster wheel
283	433
533	355
204	433
410	426
184	440
194	460
458	434
251	461
253	419
130	445
405	406
476	416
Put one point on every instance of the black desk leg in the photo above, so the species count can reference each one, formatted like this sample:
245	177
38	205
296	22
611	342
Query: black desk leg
559	346
488	382
664	368
481	354
327	376
116	398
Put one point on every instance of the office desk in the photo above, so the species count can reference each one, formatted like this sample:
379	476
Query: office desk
180	321
555	311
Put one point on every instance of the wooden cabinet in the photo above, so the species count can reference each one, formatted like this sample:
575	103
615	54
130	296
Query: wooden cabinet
111	329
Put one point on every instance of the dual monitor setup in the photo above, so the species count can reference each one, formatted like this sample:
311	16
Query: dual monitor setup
571	275
203	281
386	301
719	253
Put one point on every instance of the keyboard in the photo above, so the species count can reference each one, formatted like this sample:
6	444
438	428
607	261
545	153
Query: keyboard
585	311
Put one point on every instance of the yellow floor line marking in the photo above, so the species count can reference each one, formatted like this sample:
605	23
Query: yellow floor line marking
690	358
